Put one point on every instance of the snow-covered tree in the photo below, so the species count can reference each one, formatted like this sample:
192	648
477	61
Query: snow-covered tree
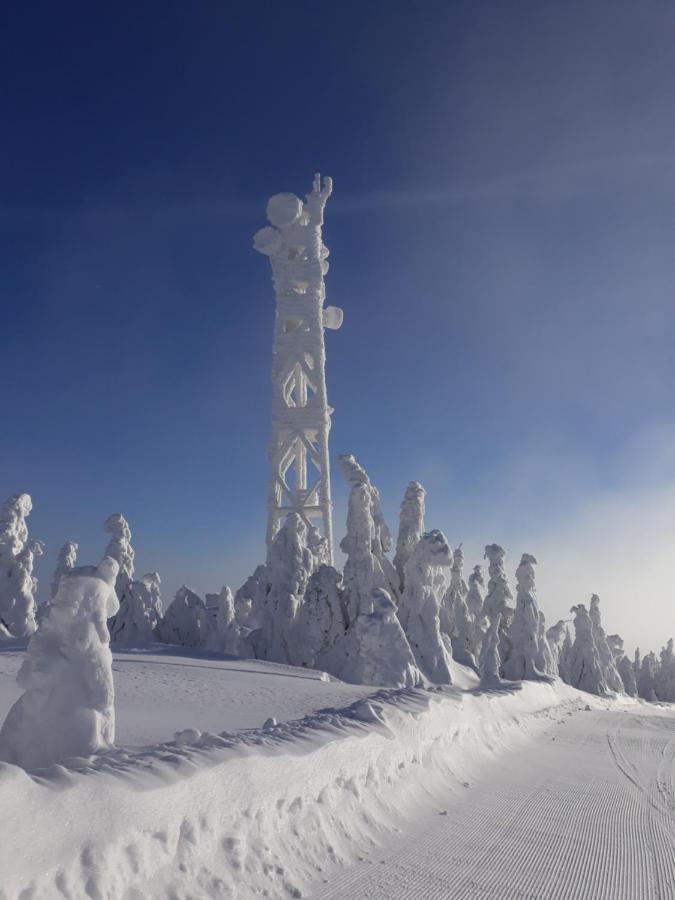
419	610
17	555
364	569
526	660
555	636
565	658
456	592
497	597
545	660
489	657
610	675
67	708
120	549
585	669
637	663
411	526
290	563
646	683
65	561
625	669
321	620
374	650
254	589
186	621
137	622
475	599
665	675
224	634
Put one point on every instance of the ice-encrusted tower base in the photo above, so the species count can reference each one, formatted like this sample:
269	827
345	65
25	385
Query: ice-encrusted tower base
298	451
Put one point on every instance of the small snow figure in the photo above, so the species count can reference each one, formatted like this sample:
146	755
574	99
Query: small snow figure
68	705
374	650
65	562
419	611
17	554
585	670
489	659
411	526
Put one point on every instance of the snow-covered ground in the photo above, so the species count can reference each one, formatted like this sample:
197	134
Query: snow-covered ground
356	793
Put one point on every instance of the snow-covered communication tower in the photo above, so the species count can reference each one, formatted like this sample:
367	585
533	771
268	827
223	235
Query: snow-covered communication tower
298	451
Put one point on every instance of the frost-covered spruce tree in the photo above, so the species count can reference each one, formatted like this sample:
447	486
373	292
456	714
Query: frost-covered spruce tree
585	669
290	563
497	597
411	526
224	634
67	708
565	658
475	599
665	675
252	591
138	622
120	549
17	554
625	669
524	661
364	569
455	594
364	503
65	562
489	658
555	636
611	676
419	610
321	620
646	682
186	621
545	660
374	650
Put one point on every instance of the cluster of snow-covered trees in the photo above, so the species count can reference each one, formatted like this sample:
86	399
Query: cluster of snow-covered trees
409	621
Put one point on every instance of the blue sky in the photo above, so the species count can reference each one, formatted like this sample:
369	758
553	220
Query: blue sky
501	238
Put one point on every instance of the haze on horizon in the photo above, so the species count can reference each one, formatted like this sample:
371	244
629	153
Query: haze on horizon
501	239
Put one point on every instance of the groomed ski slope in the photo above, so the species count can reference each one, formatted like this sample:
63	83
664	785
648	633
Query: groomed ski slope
411	793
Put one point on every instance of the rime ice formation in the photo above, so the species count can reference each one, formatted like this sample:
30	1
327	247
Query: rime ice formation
498	594
456	592
475	599
665	677
65	561
374	650
17	554
185	621
584	667
321	620
246	610
646	682
545	660
565	658
625	668
419	610
610	675
411	526
527	659
120	549
300	412
365	543
67	708
489	658
224	633
555	636
290	563
138	621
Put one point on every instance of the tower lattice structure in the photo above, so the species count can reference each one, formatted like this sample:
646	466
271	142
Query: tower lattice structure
298	449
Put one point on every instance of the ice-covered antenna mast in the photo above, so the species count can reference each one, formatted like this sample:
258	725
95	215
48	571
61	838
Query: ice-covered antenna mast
298	451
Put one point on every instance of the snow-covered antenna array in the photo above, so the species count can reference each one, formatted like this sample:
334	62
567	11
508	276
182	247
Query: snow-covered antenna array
298	451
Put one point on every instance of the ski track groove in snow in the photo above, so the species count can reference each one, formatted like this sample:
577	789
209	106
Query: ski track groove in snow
585	811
